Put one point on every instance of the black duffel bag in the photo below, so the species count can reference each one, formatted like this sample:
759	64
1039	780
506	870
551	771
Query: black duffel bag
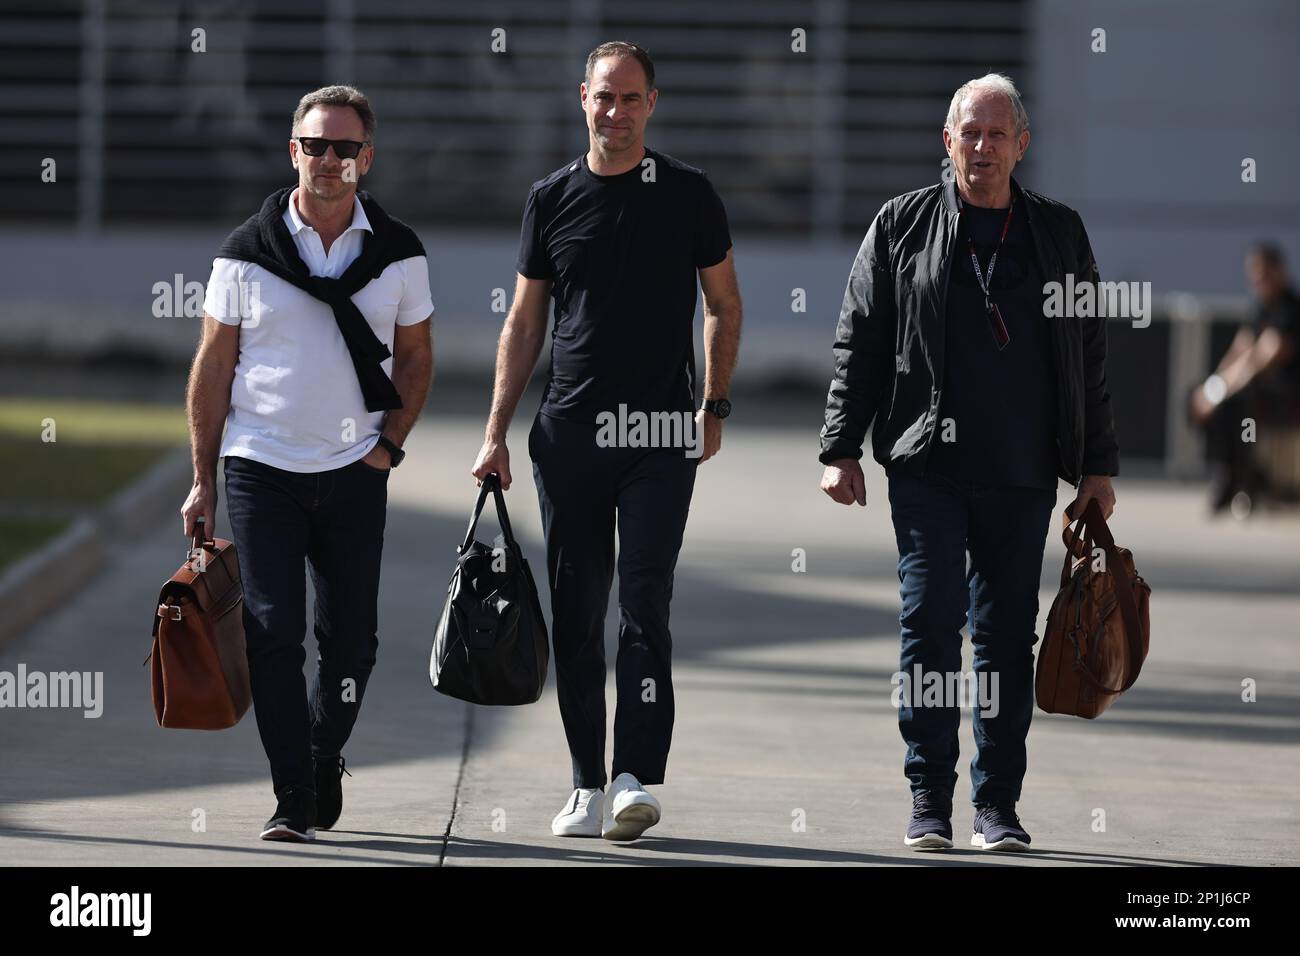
491	645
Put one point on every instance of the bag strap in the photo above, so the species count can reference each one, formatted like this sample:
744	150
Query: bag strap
1099	534
1074	546
491	483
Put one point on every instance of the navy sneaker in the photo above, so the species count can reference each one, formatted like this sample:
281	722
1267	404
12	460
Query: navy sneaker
295	814
931	824
998	828
329	773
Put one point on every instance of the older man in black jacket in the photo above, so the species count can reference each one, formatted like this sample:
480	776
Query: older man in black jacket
978	402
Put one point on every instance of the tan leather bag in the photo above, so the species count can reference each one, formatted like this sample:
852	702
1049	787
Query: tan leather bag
1099	628
200	669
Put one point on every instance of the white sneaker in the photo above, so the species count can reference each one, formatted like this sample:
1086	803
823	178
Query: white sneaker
629	810
581	816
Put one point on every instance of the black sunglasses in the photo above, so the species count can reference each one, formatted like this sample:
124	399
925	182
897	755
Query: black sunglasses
343	148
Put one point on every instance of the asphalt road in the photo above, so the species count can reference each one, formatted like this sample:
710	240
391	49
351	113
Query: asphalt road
786	748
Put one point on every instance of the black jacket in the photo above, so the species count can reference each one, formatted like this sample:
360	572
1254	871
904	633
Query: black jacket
889	344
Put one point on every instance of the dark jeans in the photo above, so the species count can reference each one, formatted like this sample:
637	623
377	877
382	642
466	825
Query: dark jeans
936	521
335	521
583	490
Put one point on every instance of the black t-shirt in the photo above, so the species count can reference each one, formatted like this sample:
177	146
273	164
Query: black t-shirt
1003	402
621	252
1284	316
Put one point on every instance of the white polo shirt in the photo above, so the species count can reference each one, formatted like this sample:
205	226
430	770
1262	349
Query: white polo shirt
295	402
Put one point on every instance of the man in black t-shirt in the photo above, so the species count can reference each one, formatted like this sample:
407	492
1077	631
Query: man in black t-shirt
1000	399
616	238
1258	377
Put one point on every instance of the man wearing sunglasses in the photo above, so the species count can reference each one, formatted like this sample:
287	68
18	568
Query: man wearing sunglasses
978	401
316	358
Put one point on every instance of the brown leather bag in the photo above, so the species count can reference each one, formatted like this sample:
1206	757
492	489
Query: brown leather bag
200	669
1099	628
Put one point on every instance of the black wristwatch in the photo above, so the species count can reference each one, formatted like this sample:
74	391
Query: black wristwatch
720	407
394	453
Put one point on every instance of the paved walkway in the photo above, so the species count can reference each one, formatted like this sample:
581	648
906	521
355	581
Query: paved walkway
786	747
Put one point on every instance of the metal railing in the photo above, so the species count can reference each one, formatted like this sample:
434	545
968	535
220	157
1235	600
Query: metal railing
807	115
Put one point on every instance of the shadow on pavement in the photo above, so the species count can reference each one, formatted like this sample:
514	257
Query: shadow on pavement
650	851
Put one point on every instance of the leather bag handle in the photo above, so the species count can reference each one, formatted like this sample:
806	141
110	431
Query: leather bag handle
1099	534
200	539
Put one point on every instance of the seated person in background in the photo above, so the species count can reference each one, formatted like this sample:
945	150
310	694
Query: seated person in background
1258	377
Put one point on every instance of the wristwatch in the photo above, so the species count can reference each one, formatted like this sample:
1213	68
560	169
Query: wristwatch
394	453
720	407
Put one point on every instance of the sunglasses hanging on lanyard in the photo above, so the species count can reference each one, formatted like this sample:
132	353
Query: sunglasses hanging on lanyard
999	328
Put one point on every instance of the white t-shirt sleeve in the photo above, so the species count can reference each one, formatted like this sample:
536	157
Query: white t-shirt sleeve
222	297
417	302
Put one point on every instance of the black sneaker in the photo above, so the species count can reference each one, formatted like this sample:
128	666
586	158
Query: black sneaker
329	790
998	828
931	824
294	815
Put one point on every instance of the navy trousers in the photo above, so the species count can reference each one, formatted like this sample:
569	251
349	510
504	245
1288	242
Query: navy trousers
937	520
333	520
586	492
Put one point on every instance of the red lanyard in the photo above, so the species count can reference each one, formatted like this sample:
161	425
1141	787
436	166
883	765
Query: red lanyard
999	328
984	283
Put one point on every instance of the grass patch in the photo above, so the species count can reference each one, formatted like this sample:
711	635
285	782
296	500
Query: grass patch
66	473
19	536
99	447
96	422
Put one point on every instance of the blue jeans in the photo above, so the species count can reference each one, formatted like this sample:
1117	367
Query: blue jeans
937	520
334	521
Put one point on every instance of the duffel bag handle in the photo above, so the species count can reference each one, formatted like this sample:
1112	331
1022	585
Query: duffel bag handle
491	483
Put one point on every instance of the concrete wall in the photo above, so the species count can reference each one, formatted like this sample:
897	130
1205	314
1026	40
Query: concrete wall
75	296
1147	139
